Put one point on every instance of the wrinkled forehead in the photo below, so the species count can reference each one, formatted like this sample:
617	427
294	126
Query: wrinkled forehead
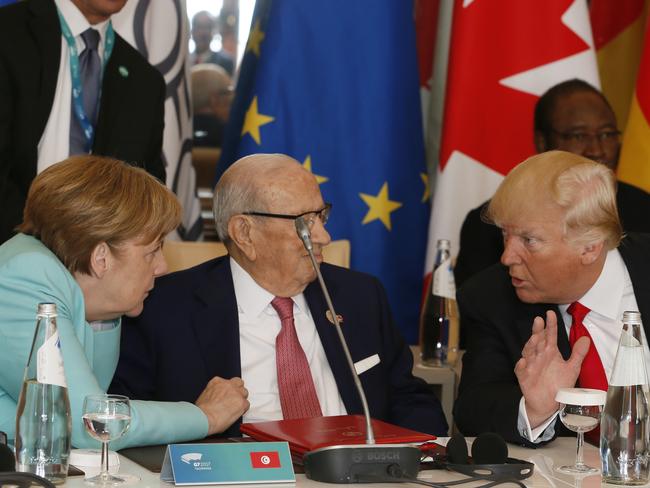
291	191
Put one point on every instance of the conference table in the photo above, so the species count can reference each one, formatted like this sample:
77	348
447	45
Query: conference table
546	459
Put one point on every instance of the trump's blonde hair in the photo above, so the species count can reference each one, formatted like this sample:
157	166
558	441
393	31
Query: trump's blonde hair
584	190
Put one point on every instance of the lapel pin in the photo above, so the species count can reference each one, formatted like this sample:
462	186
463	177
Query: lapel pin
328	314
123	71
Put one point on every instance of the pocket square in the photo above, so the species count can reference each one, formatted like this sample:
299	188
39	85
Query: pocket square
365	364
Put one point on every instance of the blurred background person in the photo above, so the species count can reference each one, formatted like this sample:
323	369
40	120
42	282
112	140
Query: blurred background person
41	119
91	242
212	95
203	31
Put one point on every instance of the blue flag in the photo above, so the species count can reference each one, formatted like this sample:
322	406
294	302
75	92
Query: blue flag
334	84
6	2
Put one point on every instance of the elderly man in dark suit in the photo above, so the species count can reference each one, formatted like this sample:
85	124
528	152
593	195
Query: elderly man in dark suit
571	116
549	315
50	106
259	315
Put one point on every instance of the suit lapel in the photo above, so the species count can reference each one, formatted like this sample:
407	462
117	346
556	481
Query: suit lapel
116	80
638	266
215	321
44	27
331	344
525	315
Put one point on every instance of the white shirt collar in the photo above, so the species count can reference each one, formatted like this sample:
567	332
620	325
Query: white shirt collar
252	299
77	21
605	296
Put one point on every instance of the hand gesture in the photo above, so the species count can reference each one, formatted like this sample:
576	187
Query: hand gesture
223	402
542	370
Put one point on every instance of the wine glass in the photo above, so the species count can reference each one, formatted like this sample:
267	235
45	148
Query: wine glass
580	410
106	418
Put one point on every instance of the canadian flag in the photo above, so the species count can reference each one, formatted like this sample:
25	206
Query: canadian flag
503	55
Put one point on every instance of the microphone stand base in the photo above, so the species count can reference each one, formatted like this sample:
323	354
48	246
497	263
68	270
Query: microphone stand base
362	463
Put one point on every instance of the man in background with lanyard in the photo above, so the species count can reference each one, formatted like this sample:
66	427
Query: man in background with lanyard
70	85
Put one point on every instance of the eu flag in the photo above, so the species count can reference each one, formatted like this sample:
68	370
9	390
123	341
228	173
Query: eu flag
334	84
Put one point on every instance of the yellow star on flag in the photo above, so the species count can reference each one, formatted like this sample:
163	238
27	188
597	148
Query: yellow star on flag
255	38
307	166
427	190
379	207
254	120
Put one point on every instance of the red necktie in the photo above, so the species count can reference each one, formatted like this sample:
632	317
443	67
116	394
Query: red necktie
295	384
592	373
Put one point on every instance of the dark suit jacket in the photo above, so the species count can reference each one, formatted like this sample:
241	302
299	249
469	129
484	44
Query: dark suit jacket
481	244
131	114
189	333
498	325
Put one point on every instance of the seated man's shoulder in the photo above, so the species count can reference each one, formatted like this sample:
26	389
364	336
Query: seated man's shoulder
636	240
186	281
348	277
490	286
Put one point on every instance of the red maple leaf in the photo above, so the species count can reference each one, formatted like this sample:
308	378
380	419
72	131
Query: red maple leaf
492	40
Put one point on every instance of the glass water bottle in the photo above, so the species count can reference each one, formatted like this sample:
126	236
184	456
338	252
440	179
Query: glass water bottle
43	421
439	317
624	451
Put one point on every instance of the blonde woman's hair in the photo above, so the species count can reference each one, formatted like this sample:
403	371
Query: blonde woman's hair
83	201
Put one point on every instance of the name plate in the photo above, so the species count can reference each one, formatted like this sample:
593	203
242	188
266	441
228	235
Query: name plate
237	462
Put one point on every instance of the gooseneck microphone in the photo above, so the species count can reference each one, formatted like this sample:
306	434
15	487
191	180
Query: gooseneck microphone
358	463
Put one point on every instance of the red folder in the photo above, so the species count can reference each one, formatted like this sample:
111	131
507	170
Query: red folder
308	434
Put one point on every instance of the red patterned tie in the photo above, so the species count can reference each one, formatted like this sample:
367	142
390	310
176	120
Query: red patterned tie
297	392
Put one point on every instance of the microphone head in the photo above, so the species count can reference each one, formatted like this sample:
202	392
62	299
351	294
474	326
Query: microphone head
489	448
7	459
303	232
457	450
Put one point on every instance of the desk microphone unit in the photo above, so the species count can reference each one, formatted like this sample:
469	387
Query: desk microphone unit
357	463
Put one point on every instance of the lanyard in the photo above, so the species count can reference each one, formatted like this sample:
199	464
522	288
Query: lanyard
77	90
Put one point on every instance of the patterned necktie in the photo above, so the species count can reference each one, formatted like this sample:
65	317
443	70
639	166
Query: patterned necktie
592	373
90	69
297	392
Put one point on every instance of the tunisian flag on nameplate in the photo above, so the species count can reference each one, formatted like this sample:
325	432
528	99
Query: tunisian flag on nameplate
503	55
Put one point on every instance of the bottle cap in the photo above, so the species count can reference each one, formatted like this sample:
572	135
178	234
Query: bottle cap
444	244
581	396
48	309
632	317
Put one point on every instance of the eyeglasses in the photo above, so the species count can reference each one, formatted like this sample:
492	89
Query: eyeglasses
310	217
582	138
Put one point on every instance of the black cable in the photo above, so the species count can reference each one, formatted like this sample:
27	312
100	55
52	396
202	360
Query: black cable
24	480
392	477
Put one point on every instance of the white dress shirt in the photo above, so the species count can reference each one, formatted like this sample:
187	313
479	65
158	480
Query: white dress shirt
610	296
259	324
54	145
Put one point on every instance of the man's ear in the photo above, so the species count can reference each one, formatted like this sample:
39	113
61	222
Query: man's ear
240	230
100	260
591	252
540	142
